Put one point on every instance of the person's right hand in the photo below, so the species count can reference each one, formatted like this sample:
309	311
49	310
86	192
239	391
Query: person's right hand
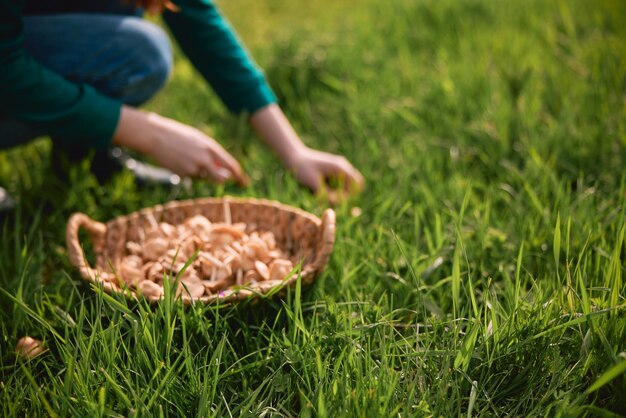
176	146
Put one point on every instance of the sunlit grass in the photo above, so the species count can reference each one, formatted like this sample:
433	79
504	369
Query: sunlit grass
484	276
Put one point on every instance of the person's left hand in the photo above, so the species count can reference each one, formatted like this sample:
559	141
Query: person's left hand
314	169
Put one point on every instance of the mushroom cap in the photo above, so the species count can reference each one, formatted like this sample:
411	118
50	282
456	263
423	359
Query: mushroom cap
28	348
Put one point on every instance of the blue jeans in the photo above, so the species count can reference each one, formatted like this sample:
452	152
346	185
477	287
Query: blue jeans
104	44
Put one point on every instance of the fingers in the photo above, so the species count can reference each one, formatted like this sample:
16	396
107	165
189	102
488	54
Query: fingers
215	174
325	174
354	177
220	166
226	162
312	181
349	177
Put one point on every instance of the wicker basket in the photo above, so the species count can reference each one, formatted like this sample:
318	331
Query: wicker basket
306	238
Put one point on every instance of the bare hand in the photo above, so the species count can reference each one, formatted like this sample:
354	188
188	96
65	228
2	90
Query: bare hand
183	149
189	152
314	169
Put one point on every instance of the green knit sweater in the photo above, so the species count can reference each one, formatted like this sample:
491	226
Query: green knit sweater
79	114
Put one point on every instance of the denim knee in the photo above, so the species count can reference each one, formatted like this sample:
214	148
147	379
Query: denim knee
149	63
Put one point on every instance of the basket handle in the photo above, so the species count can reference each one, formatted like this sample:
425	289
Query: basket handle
328	239
96	230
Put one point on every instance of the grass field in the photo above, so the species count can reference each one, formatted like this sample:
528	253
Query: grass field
484	277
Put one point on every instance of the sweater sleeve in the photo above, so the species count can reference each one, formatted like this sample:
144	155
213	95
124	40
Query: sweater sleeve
71	113
210	43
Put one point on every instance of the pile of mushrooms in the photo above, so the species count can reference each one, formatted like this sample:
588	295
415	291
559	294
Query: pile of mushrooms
225	255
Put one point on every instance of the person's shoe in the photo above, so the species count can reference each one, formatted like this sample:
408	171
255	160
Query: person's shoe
7	204
106	163
144	173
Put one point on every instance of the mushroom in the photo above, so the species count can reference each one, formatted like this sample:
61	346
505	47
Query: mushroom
208	263
261	267
222	273
189	275
280	268
215	286
251	276
155	248
168	230
194	288
131	269
222	234
134	248
199	225
269	239
28	348
153	271
150	289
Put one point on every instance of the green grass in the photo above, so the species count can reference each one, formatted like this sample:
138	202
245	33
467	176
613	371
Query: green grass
483	278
